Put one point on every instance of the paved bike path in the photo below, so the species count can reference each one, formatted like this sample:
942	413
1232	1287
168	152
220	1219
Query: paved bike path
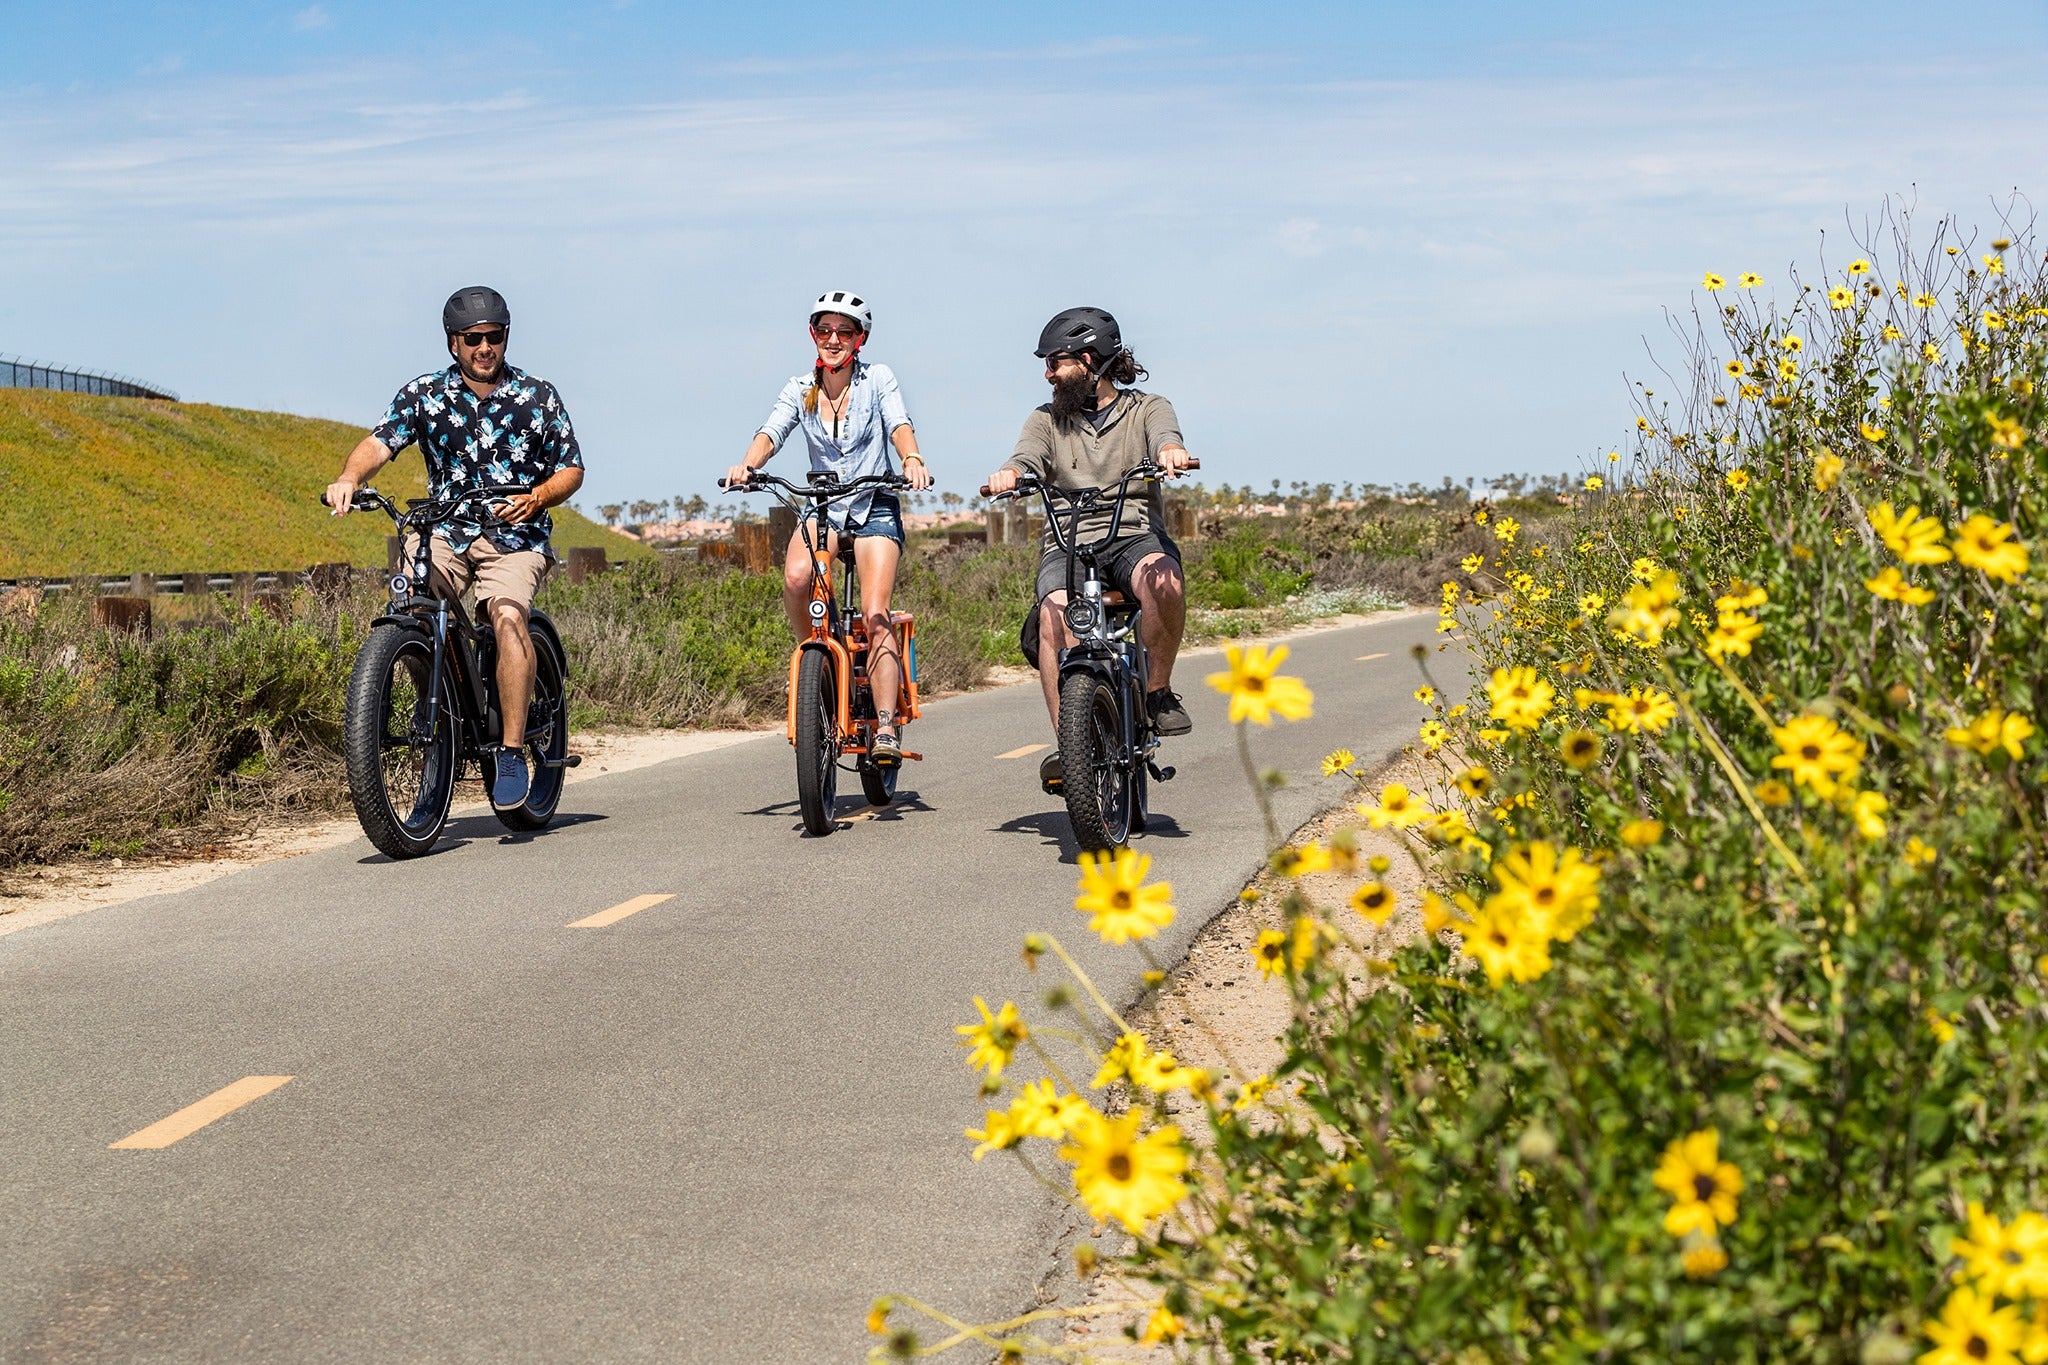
710	1131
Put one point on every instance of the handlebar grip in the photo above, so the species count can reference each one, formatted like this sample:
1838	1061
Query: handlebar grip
1194	463
985	493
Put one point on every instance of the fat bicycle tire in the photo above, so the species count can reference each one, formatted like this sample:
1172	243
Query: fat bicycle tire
879	784
400	781
547	740
1091	732
817	741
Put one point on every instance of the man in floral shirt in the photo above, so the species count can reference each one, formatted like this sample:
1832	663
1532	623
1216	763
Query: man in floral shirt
478	423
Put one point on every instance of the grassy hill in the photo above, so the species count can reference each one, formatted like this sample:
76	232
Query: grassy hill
121	485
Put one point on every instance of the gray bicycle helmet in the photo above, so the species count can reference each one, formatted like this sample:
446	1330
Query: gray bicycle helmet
474	306
1074	330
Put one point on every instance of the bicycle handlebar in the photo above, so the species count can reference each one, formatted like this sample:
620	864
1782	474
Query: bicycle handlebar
365	499
1027	483
822	490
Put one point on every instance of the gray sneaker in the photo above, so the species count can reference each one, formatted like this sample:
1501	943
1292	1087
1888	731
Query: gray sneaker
509	778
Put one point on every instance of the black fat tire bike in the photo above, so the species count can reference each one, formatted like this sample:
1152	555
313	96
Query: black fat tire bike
423	698
1107	741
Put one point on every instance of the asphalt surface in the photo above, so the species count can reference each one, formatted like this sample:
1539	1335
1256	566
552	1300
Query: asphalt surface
711	1131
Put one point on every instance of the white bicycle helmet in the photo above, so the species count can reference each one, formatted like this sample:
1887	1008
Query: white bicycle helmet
846	302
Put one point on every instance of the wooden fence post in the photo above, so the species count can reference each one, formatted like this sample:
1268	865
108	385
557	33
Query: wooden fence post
394	555
329	582
194	585
755	553
781	527
244	589
585	560
129	614
142	585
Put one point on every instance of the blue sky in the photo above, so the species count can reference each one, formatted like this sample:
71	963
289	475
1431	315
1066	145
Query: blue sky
1352	242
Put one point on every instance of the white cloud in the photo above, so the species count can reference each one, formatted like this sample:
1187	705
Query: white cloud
312	18
1493	249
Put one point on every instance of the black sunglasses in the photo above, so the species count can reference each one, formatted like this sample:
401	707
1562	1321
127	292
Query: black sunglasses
496	337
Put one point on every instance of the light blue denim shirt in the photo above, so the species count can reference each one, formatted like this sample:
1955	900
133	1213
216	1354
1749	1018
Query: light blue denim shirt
874	409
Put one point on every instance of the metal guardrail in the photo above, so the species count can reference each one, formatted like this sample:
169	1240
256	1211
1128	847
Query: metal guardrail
166	584
16	373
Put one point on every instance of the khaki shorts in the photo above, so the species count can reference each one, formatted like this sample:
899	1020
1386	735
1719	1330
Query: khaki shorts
492	572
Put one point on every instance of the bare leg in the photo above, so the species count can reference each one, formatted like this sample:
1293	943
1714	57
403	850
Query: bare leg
875	557
796	578
1162	592
515	667
1053	636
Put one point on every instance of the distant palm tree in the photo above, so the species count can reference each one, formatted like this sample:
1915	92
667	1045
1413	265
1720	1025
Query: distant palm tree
611	512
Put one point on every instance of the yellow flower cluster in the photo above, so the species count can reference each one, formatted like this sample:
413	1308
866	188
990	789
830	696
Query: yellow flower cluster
1543	896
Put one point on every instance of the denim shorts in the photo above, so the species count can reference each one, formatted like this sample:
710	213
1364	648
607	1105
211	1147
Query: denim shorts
884	517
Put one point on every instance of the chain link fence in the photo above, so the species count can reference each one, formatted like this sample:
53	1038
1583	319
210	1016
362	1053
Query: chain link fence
16	373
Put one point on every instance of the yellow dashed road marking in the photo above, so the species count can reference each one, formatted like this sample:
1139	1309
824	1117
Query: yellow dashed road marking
620	911
1027	749
193	1117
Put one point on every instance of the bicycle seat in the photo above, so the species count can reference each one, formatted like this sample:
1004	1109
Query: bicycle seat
1114	598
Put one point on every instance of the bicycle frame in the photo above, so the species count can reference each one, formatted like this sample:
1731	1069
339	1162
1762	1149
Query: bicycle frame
464	651
837	625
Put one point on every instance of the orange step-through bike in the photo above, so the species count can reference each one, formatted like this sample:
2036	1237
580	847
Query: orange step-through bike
832	712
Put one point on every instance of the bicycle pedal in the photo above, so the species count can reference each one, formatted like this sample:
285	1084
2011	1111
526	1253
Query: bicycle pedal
1162	774
915	758
572	761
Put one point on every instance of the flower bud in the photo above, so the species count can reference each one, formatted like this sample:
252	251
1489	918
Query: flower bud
1536	1146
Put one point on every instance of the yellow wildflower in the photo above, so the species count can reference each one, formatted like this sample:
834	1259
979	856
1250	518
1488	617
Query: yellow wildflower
1919	854
1338	761
1594	483
1475	782
1642	833
1506	948
1970	1331
1995	729
1592	604
1891	585
1816	751
1162	1326
1123	1176
1738	479
1859	267
1433	734
1827	468
1472	563
1867	810
1924	300
2007	433
1772	792
1704	1261
1256	693
1643	710
1426	695
1988	546
1398	808
1913	538
1840	298
1113	893
1701	1185
1520	699
999	1136
1271	953
1733	634
994	1040
1556	893
1580	748
1374	901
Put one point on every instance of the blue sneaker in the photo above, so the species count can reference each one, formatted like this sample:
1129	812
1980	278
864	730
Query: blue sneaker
508	777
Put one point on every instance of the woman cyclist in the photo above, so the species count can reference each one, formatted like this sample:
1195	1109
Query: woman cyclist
852	413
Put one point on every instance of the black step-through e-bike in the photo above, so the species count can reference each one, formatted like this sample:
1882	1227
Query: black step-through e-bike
1107	741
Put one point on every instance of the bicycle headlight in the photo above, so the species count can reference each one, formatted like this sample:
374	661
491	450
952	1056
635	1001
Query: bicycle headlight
399	584
817	610
1081	616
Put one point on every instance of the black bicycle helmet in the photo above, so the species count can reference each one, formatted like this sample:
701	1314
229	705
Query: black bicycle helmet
1074	330
471	307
